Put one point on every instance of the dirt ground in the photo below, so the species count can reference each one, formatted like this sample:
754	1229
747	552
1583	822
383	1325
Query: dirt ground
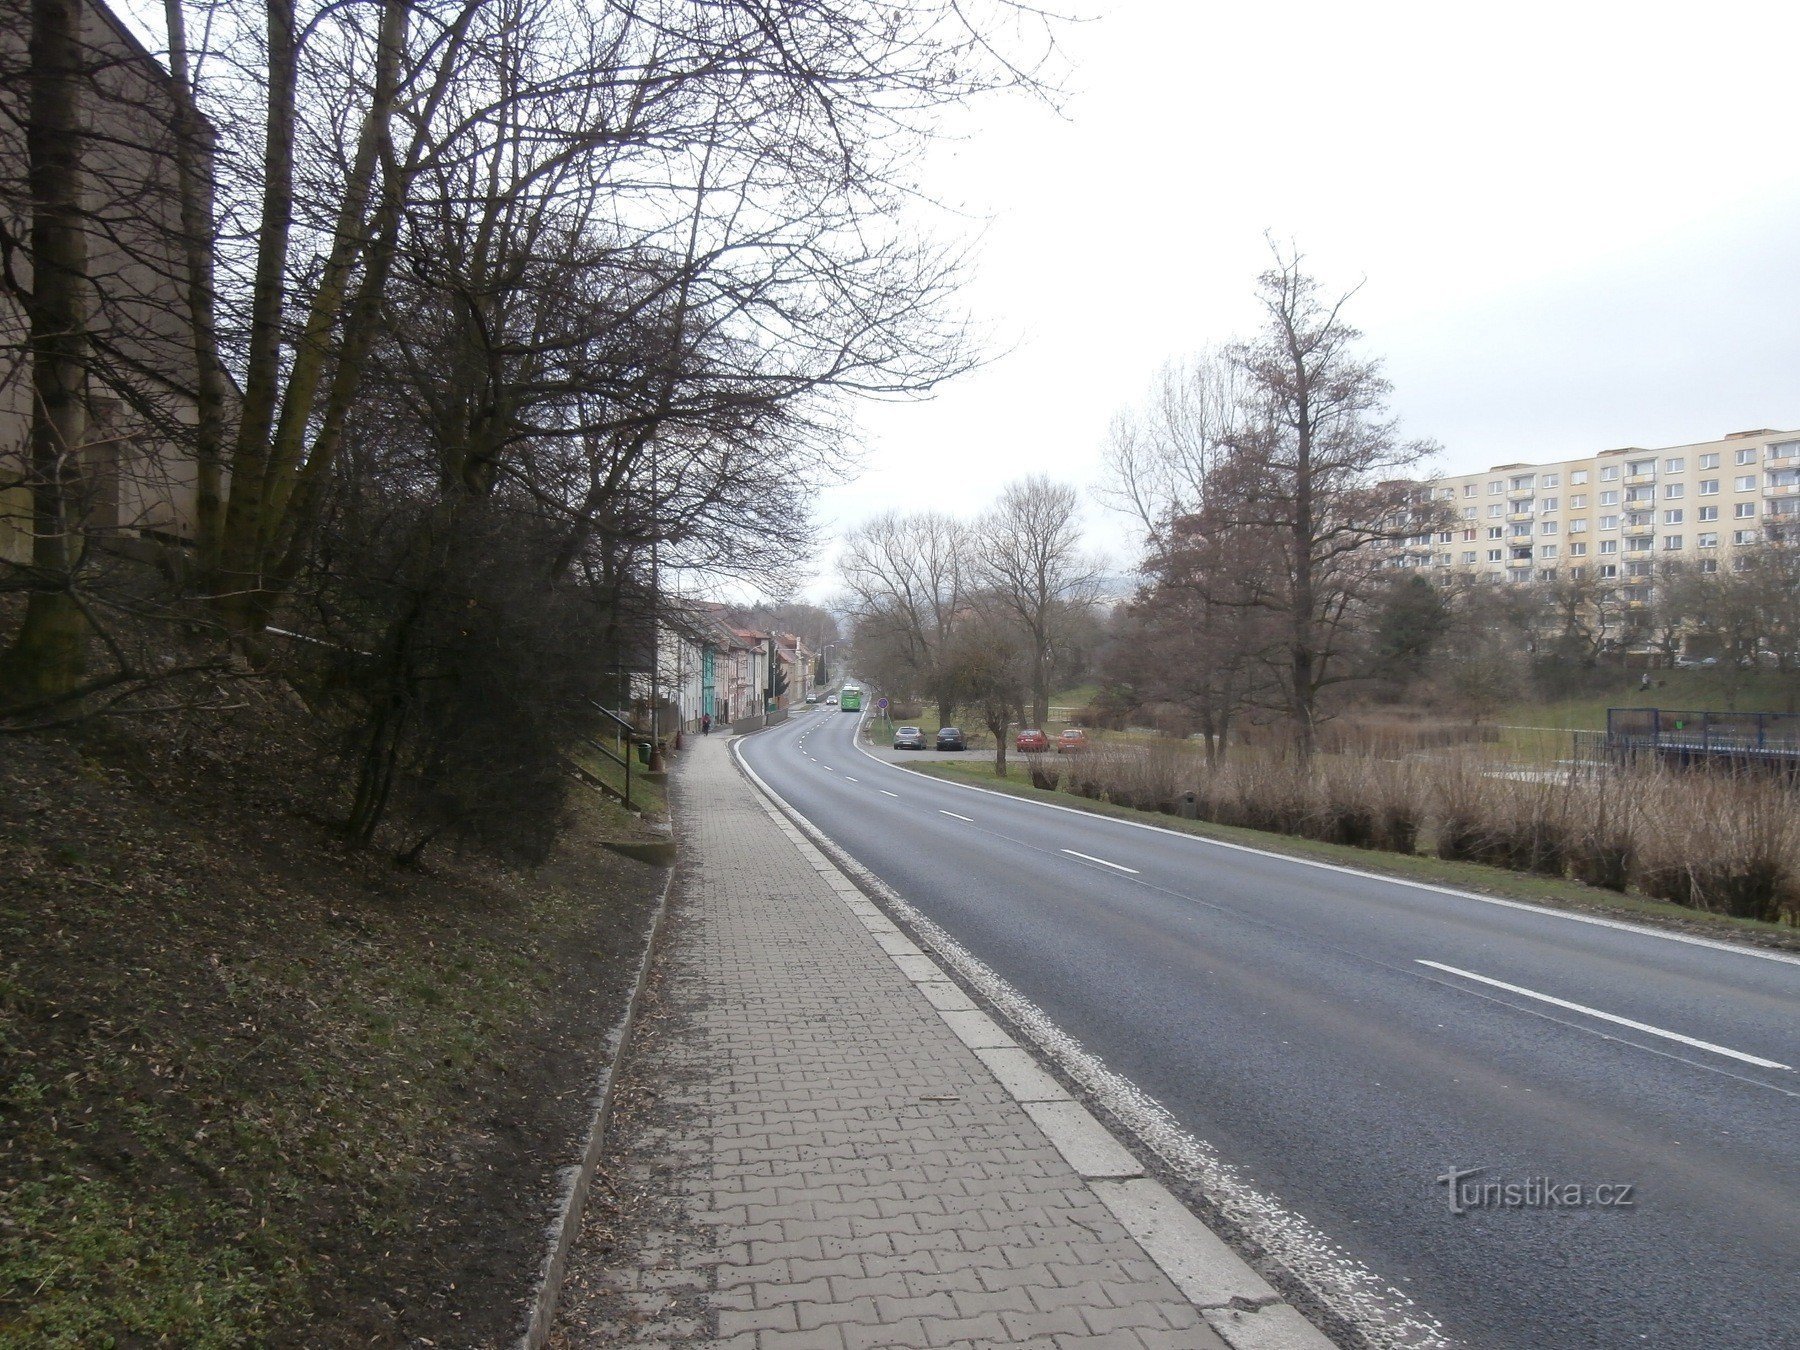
260	1088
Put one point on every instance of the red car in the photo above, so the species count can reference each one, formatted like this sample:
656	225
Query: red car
1072	741
1031	740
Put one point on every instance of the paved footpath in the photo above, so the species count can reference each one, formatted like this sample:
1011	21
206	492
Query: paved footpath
806	1154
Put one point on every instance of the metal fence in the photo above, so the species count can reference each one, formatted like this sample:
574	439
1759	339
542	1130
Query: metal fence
1682	738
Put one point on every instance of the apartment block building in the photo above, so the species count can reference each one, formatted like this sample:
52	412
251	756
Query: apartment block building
1616	517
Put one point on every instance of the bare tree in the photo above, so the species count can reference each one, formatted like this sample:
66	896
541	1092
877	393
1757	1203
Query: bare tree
1318	463
47	657
906	579
1031	565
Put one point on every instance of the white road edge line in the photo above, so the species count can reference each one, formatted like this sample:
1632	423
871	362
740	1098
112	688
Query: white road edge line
1388	1319
1088	857
942	812
1608	1017
1642	930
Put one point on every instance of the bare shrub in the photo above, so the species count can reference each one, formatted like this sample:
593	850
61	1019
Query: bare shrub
1047	776
1721	842
1604	848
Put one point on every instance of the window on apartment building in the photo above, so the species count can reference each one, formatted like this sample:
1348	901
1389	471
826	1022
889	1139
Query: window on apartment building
1547	527
1743	536
1496	511
1577	527
1496	555
1675	465
1547	505
1523	527
1444	537
1744	510
1610	498
1578	501
1740	564
1642	466
1707	540
1671	543
1468	535
1468	513
1782	449
1550	480
1640	494
1744	483
1673	490
1496	532
1495	488
1578	550
1610	474
1445	494
1609	545
1637	569
1608	571
1638	545
1709	461
1609	522
1708	513
1709	487
1523	482
1577	573
1546	574
1672	517
1443	560
1746	457
1470	489
1709	565
1577	478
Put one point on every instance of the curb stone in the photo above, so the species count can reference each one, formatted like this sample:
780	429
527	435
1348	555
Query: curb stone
577	1179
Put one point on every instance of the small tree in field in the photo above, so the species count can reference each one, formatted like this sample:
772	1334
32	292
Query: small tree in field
990	669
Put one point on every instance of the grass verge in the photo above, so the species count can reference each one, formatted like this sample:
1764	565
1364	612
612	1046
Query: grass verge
1552	893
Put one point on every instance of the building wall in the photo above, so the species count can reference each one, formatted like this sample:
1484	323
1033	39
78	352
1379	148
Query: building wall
139	469
1613	517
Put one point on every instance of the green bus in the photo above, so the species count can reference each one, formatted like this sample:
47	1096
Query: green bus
850	699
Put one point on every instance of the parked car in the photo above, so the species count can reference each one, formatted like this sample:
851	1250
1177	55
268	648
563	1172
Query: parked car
1072	741
831	700
1031	740
951	738
909	738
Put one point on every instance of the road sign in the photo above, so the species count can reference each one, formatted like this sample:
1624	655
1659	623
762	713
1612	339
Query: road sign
881	703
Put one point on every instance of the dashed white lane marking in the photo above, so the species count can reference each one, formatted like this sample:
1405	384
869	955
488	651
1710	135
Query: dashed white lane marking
884	792
1088	857
942	812
849	779
828	768
1608	1017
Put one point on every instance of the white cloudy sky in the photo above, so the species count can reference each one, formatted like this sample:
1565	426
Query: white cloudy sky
1579	226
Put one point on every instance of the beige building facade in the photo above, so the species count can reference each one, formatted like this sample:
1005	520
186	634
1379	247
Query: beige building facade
137	470
1616	517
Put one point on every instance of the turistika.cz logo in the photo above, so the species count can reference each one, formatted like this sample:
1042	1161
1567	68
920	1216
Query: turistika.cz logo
1469	1190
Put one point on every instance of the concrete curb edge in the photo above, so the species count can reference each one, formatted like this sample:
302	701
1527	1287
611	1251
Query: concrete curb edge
578	1177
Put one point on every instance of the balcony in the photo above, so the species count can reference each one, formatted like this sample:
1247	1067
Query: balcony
1638	530
1782	490
1524	514
1521	494
1639	479
1519	562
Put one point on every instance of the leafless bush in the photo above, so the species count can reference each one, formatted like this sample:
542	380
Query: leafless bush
1721	842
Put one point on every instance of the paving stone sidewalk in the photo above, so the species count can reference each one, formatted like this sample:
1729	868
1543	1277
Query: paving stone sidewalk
804	1155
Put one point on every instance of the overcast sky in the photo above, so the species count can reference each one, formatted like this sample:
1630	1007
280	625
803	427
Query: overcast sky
1578	227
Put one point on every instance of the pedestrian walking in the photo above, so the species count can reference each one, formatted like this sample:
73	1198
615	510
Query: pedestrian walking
706	724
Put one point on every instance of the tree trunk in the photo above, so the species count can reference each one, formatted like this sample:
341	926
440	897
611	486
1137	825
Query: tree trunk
193	172
49	654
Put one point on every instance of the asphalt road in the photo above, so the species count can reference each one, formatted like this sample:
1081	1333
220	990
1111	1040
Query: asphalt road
1345	1040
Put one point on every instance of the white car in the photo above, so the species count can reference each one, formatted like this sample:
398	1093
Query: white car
831	700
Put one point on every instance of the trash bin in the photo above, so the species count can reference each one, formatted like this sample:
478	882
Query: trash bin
643	752
1190	806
